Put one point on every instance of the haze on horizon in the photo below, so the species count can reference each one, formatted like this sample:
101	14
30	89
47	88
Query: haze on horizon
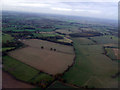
93	8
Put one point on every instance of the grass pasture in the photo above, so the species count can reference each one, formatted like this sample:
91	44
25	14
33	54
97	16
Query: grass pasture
105	39
91	68
42	58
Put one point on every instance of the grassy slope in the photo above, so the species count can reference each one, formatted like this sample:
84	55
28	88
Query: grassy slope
91	65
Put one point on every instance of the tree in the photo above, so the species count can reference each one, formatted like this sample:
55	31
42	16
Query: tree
42	47
54	49
51	49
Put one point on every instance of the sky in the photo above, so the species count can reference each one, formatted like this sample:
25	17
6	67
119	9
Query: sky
107	9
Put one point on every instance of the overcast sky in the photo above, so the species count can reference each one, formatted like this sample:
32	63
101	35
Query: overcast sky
91	8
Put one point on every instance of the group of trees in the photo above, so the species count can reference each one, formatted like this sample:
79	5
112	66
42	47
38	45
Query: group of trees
52	49
86	34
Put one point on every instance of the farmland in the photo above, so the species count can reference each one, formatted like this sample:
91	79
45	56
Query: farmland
6	37
9	82
23	72
92	68
36	57
58	84
54	51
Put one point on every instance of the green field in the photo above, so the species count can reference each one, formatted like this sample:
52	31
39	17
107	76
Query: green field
111	53
91	67
18	69
24	72
7	48
42	79
108	39
58	84
84	41
6	37
44	35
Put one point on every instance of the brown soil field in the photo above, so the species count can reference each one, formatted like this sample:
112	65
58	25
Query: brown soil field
52	62
9	82
47	45
117	52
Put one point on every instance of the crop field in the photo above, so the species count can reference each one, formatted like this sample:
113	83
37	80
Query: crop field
91	68
43	50
48	45
23	72
42	58
18	69
45	34
105	39
84	41
9	82
65	39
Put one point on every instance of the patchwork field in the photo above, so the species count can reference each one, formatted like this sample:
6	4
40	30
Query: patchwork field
9	82
23	72
52	61
92	68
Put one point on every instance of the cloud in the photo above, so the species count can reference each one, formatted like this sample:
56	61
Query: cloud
35	5
89	8
61	9
90	11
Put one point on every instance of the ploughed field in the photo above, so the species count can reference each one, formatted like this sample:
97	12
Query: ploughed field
45	56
